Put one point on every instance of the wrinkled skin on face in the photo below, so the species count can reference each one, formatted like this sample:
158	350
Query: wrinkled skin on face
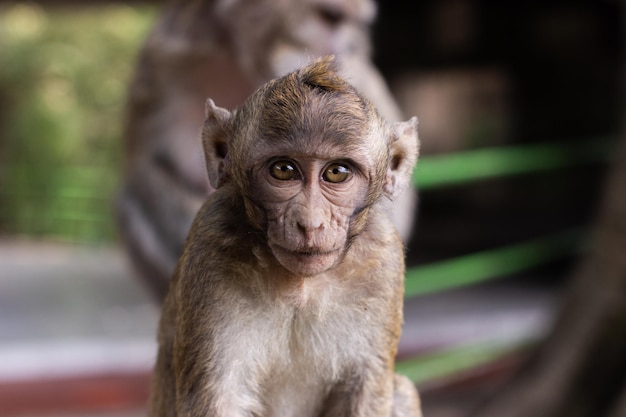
309	203
310	156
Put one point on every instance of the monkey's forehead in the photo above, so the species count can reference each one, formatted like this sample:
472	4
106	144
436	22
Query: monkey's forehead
304	127
318	149
314	132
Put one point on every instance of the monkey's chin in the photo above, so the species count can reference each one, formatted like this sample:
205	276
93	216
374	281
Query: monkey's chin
306	264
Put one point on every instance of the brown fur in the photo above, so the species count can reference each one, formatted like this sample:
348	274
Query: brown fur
287	300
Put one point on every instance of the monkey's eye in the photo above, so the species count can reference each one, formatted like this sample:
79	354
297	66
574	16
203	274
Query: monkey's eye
336	173
331	16
284	171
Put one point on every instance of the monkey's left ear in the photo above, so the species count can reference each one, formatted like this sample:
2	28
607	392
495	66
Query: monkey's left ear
214	141
404	147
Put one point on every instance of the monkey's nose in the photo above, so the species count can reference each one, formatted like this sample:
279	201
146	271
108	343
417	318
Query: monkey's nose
310	221
310	225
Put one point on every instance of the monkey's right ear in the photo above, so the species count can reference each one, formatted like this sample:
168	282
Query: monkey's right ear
215	143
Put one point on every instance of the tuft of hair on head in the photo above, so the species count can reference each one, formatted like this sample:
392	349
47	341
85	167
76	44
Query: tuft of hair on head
323	74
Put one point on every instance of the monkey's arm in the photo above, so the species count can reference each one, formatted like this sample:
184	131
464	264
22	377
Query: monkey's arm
162	393
208	337
213	377
365	393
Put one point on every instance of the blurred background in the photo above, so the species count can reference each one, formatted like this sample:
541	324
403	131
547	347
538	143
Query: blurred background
521	111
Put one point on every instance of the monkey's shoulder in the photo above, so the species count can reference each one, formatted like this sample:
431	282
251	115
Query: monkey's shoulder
380	239
221	221
220	238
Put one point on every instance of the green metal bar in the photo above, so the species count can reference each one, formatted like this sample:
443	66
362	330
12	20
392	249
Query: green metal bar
487	265
447	362
462	167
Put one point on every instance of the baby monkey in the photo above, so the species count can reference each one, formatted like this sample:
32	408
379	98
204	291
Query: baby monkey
287	300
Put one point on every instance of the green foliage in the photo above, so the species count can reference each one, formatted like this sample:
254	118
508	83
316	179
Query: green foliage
63	78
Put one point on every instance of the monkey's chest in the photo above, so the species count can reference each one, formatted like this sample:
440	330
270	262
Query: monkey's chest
314	359
295	361
294	391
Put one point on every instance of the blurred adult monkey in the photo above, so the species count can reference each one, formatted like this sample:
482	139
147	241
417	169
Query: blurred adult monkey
222	49
287	299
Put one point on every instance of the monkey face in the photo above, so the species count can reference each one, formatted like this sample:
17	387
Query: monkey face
309	203
309	156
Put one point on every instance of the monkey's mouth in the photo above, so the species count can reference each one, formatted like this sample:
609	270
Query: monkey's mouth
306	262
311	252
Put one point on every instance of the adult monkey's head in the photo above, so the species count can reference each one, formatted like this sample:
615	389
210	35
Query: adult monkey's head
310	156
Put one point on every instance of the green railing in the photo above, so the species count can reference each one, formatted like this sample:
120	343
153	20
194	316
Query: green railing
466	167
483	266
